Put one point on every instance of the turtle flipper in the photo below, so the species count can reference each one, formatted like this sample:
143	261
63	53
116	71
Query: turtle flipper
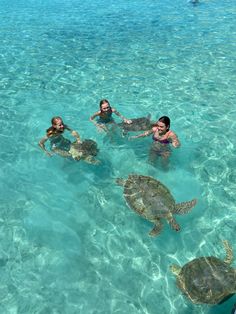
173	223
229	252
156	229
185	207
61	152
91	160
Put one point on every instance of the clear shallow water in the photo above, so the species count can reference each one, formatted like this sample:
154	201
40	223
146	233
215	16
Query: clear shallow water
69	243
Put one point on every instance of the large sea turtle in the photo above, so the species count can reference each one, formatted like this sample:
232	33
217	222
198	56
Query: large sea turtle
85	150
138	124
152	200
207	280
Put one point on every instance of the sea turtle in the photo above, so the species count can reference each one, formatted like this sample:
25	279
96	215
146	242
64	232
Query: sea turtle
207	280
152	200
85	150
138	124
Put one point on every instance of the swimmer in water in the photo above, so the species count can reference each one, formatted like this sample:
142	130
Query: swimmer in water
58	143
162	137
104	116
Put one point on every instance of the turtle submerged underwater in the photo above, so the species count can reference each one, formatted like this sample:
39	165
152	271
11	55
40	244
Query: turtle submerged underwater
85	150
153	201
138	124
208	280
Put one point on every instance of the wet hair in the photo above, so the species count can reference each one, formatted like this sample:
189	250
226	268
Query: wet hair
104	101
53	120
165	120
51	131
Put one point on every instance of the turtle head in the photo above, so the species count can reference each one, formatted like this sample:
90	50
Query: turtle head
175	269
120	181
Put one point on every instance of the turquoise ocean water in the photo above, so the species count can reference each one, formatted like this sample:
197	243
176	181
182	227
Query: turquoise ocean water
69	243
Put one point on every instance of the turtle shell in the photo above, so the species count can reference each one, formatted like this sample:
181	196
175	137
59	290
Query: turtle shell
207	280
139	124
84	149
148	197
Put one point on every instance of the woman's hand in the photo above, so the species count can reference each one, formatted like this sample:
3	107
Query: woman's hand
128	121
75	134
175	141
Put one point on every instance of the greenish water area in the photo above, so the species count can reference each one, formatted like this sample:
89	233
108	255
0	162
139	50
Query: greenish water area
69	243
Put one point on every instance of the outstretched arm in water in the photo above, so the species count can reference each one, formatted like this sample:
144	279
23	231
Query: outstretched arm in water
128	121
147	133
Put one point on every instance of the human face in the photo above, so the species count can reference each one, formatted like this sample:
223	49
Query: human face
105	107
162	128
58	125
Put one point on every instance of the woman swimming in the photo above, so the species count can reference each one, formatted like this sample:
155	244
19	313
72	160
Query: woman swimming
104	116
58	143
162	136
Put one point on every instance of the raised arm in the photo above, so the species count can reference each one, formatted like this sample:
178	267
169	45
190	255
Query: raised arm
73	133
96	114
174	140
122	117
76	135
99	126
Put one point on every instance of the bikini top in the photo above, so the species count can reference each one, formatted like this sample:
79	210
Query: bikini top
164	141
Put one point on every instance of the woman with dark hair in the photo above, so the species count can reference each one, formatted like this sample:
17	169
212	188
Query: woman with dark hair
162	136
104	116
58	143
